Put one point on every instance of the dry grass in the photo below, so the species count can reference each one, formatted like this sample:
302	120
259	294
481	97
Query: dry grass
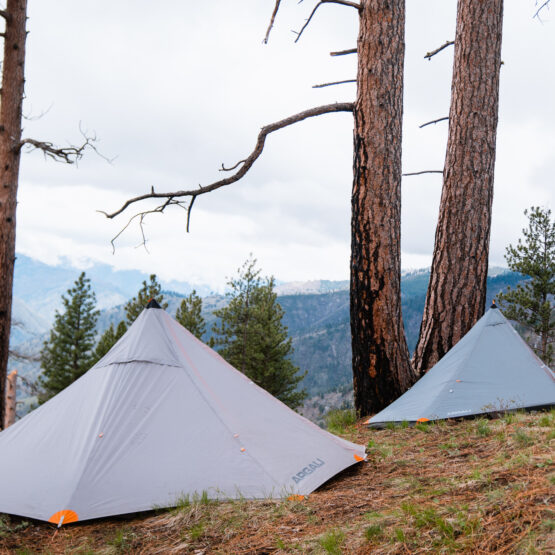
473	486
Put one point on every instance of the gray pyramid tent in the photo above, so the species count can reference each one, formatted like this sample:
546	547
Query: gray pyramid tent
159	417
490	369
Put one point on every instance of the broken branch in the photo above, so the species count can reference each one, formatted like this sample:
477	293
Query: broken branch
245	167
422	172
334	83
437	50
341	2
272	19
344	52
433	121
543	5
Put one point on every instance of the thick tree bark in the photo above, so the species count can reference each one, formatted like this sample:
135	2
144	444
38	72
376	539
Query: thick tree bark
457	290
381	362
10	137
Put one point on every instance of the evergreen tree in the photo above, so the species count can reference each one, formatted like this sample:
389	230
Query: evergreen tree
108	339
189	315
68	353
151	290
253	338
531	303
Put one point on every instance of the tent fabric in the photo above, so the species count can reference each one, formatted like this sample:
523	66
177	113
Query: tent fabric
160	417
490	369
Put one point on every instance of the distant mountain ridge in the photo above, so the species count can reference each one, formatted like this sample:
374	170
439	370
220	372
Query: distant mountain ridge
316	313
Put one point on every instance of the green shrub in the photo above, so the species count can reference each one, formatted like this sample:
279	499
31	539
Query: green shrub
331	542
522	438
373	531
483	428
337	420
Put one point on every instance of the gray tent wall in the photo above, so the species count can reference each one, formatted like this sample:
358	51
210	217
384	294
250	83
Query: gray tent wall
490	369
159	417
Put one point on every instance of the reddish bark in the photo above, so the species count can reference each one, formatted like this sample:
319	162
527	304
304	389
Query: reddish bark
381	365
10	137
457	290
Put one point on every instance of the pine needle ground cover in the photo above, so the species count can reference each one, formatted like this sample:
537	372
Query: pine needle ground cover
477	486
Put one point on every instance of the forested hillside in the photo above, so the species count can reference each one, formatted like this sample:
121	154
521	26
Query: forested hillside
318	322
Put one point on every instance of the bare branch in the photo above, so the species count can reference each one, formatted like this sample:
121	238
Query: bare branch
422	172
39	116
344	52
272	19
6	15
334	83
189	211
18	355
341	2
224	169
433	121
543	5
141	216
437	50
68	155
245	167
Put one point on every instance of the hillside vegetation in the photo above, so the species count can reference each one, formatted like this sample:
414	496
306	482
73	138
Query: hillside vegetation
476	486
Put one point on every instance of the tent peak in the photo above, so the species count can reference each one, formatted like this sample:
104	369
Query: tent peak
153	304
493	305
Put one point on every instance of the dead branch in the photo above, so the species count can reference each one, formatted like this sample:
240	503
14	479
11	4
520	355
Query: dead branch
543	5
245	165
344	52
334	83
7	16
422	172
39	116
141	217
433	121
224	169
272	19
341	2
68	155
18	355
437	50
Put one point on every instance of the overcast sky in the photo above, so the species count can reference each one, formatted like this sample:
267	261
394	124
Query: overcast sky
174	88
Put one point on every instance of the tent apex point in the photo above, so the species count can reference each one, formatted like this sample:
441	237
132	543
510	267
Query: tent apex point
153	304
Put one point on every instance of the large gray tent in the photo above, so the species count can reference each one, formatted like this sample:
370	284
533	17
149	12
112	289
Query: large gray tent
161	416
490	369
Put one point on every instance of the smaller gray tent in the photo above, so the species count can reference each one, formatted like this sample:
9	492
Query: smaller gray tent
490	369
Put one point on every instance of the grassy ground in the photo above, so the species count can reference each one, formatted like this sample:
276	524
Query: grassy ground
480	486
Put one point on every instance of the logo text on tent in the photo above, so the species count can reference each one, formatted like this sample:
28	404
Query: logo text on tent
314	465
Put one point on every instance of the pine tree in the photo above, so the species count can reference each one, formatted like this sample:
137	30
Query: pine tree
253	338
189	315
68	353
531	303
108	339
148	291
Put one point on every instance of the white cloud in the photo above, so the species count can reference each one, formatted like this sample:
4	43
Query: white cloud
177	89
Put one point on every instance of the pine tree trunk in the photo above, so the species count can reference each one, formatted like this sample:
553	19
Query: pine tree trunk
457	290
381	365
10	136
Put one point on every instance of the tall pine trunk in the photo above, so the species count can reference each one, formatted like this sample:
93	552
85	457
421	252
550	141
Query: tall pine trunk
381	363
11	101
457	290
